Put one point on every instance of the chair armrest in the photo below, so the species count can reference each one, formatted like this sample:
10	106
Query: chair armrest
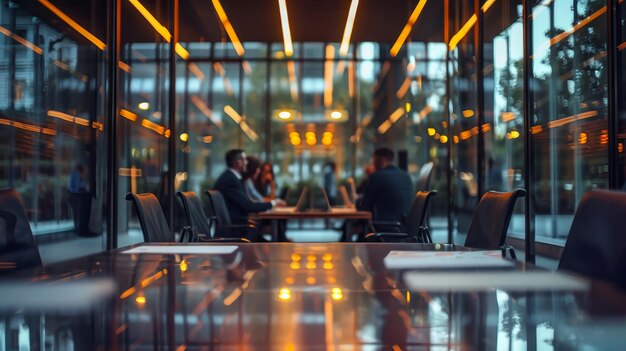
508	248
223	240
386	237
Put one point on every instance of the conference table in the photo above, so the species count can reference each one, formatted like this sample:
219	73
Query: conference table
351	216
302	296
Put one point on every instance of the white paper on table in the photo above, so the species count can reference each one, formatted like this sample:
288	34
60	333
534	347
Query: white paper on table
482	281
83	293
183	249
446	259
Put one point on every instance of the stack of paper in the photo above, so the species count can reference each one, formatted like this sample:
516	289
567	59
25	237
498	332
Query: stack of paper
446	259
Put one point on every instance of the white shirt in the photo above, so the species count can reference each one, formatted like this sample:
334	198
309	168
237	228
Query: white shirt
239	177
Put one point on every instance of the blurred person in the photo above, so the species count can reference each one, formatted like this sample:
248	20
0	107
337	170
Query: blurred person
266	182
368	170
230	185
252	173
80	199
389	190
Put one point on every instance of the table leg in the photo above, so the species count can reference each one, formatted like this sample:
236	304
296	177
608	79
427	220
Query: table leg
347	236
274	230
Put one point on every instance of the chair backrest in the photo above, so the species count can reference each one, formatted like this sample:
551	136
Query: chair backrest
423	179
416	217
194	213
490	222
153	224
217	208
596	244
18	244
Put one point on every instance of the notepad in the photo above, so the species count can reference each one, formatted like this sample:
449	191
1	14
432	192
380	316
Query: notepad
446	259
482	281
183	249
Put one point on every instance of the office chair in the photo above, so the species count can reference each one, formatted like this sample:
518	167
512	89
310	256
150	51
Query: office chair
596	244
18	249
414	224
490	223
219	215
151	218
197	223
423	179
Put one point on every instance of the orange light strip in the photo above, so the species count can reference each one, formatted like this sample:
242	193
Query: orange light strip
28	127
164	32
404	88
395	116
622	46
21	40
77	27
248	131
351	78
193	68
161	29
233	114
384	127
246	67
407	28
124	66
229	28
68	118
347	32
487	5
291	68
159	129
328	75
570	119
462	32
284	22
572	30
200	105
128	115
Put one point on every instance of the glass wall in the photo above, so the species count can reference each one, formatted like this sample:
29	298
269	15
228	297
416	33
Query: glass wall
52	121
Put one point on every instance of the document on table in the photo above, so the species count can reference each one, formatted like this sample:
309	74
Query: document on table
197	249
446	259
482	281
84	293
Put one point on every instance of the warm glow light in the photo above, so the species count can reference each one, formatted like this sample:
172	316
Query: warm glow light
514	134
336	294
77	27
462	32
431	131
291	69
193	68
582	138
207	139
248	131
233	114
143	105
407	107
311	265
310	280
140	300
407	28
327	141
384	127
347	32
184	137
295	265
456	139
295	256
284	114
468	113
159	129
443	139
181	51
328	75
284	21
336	115
229	28
404	88
284	294
328	265
183	266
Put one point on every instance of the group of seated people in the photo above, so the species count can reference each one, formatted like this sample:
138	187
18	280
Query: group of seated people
246	187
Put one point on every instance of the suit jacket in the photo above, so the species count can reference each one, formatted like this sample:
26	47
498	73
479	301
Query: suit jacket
388	194
237	201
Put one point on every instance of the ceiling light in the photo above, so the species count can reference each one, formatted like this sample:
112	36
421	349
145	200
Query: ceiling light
144	105
284	115
229	28
328	75
284	21
407	28
80	29
336	115
347	33
462	32
184	137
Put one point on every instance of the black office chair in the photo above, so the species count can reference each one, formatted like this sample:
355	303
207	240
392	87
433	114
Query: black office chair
596	244
414	226
423	179
197	223
151	218
224	227
490	222
18	249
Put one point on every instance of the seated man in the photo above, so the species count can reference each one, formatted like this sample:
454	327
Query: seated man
389	190
230	185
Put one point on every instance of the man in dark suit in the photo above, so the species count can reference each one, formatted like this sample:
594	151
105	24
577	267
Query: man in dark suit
230	185
389	190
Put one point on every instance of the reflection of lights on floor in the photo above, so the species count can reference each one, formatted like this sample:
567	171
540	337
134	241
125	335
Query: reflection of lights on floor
140	300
